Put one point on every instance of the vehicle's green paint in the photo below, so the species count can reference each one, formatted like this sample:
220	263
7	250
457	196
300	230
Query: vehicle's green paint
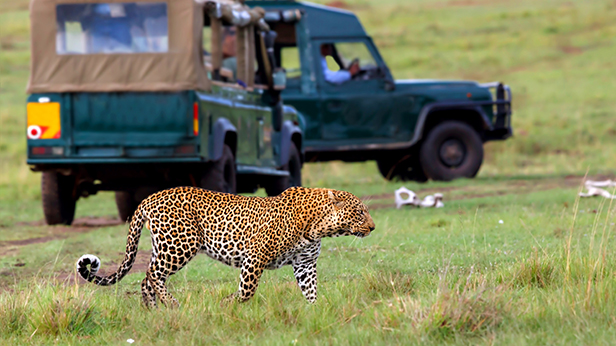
149	127
360	113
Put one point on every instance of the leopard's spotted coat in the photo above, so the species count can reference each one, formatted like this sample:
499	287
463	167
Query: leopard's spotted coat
250	233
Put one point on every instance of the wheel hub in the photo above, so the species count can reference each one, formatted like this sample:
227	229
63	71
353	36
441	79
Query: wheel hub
452	152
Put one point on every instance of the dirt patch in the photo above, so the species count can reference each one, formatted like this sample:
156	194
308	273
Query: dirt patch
338	4
571	50
513	187
80	225
466	3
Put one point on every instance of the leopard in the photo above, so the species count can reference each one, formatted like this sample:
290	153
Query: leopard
251	233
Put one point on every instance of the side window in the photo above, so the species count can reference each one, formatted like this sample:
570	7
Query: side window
289	60
345	61
349	51
111	28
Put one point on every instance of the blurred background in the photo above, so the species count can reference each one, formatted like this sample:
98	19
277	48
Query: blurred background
558	57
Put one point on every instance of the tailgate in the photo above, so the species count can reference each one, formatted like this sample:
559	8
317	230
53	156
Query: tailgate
131	119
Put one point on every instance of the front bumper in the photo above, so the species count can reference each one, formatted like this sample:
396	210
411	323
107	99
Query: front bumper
501	124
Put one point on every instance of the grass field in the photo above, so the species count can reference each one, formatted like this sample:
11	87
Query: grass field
457	275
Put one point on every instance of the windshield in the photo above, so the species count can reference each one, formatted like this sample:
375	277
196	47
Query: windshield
112	28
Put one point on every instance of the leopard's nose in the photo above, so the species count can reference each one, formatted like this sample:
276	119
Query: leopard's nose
371	228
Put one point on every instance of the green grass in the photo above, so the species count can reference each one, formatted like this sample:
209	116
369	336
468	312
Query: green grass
546	275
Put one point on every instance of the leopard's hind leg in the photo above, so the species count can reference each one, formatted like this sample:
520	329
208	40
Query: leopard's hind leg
166	265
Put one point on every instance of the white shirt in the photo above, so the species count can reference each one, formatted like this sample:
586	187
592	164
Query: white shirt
335	77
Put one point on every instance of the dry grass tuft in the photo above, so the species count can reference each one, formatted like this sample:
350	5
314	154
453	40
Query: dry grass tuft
470	311
13	314
387	284
61	312
535	271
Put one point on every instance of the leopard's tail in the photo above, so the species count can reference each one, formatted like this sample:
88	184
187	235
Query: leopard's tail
132	242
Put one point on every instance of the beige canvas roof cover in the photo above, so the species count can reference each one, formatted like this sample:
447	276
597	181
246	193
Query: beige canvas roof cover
180	68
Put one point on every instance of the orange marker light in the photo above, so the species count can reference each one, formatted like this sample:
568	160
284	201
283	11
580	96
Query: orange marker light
196	119
469	95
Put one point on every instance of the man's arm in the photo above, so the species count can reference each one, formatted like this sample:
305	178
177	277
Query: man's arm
335	77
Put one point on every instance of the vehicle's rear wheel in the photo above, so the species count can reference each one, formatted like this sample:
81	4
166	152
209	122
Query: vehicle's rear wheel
405	168
220	176
451	150
58	196
128	201
294	167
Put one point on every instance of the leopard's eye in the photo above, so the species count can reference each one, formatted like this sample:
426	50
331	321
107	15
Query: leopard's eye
361	212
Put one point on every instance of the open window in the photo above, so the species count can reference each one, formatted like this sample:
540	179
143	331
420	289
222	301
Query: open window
112	28
345	61
236	47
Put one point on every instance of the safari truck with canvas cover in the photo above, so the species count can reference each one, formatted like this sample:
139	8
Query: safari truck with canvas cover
356	111
125	97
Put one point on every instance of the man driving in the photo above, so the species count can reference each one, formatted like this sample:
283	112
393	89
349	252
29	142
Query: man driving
340	76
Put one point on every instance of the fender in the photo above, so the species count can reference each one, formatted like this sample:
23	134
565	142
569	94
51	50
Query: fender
286	134
427	109
221	129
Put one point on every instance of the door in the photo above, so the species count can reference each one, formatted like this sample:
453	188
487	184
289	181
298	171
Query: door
355	105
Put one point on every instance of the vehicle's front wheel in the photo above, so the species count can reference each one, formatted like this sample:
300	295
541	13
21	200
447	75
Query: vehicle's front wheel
294	167
220	176
58	196
451	150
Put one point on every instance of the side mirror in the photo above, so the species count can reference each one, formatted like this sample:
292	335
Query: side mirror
280	79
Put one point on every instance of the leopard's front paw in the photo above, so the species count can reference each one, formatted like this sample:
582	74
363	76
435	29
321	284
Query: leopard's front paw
231	298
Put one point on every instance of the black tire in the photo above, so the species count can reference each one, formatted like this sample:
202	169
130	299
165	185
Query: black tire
59	201
451	150
405	168
128	201
127	204
294	166
220	176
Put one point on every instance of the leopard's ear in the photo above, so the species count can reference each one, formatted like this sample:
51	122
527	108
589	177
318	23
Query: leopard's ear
336	200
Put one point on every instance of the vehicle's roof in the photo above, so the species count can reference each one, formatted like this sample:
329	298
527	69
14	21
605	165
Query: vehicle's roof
180	68
322	21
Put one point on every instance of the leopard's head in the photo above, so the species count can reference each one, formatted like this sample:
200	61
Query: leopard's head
349	216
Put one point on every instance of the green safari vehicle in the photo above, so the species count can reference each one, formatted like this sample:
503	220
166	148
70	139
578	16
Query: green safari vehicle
356	111
131	96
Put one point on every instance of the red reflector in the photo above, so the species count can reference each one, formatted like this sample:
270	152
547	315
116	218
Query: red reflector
195	118
40	150
58	151
185	149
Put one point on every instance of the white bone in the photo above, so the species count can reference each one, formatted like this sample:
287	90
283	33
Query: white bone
595	189
430	201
